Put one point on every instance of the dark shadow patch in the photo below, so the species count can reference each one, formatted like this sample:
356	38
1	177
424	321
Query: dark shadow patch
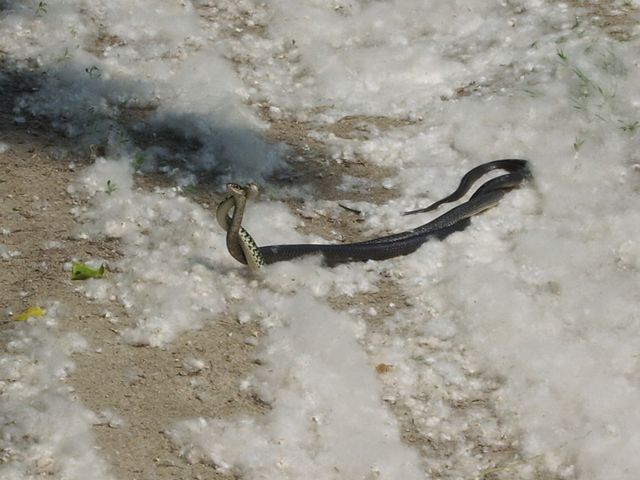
117	121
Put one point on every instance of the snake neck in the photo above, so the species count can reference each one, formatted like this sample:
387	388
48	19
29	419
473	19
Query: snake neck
239	243
233	233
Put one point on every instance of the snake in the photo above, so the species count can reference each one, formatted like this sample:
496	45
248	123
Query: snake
244	249
240	244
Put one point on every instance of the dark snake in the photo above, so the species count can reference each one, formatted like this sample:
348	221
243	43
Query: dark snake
244	249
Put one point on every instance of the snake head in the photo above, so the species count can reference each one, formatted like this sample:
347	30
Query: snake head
249	191
235	189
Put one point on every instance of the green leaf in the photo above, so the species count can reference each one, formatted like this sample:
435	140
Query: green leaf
31	312
80	271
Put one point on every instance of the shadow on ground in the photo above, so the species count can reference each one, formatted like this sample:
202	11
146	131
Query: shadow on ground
114	116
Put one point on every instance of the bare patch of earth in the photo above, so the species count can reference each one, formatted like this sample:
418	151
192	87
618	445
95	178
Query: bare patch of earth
145	389
619	20
150	388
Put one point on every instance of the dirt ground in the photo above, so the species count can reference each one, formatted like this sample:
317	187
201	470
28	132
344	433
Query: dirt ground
148	388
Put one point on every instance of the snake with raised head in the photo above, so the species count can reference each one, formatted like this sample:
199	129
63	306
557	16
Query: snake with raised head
244	249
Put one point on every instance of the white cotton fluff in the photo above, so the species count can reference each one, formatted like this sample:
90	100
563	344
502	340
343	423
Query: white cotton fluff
45	430
326	418
511	345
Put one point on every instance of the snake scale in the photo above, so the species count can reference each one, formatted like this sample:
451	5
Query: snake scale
244	249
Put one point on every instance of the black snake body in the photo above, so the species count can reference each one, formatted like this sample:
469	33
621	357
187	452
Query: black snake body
389	246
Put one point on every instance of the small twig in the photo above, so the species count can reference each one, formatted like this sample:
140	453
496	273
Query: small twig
349	209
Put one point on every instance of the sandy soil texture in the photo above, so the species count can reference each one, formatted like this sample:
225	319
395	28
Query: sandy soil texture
150	388
145	389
